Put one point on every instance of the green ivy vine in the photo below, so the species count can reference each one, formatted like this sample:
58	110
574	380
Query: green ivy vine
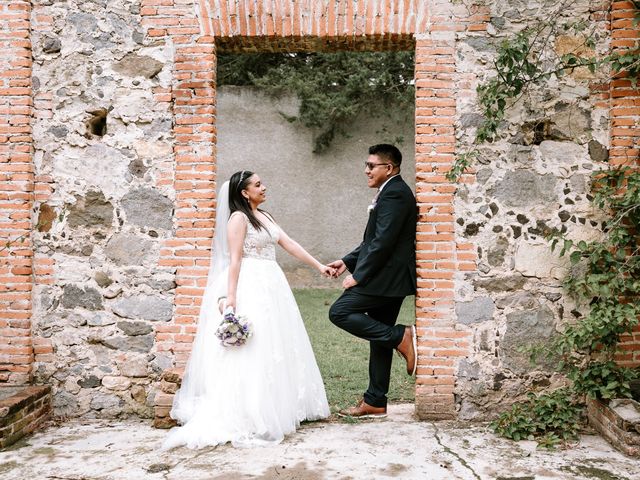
605	273
333	88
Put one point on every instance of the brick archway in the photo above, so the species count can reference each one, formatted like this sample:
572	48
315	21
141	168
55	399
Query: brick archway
244	26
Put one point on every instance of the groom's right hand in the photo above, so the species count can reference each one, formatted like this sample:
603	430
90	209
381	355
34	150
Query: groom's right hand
339	267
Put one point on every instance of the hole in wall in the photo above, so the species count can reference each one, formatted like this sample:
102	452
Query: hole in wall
97	123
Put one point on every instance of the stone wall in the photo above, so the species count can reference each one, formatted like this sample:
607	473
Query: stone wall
108	134
105	144
534	178
111	202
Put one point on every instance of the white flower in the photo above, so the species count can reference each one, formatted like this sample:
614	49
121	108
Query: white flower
234	330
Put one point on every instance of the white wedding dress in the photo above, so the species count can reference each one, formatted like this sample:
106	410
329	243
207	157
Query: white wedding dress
257	393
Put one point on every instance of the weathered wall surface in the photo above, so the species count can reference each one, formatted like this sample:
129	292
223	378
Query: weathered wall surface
112	202
534	178
103	295
109	206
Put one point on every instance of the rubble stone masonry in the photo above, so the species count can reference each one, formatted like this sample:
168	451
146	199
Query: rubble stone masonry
108	130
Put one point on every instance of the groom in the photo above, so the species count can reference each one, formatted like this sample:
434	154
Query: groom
383	272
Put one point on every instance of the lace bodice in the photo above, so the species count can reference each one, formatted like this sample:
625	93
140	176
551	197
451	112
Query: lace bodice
259	243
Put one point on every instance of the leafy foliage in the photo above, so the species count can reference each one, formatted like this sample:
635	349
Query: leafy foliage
605	272
523	61
333	88
606	275
552	418
516	69
603	380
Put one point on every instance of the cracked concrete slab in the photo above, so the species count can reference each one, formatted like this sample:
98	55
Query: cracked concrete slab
397	447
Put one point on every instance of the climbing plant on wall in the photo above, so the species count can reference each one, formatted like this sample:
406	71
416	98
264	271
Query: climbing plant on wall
333	88
606	272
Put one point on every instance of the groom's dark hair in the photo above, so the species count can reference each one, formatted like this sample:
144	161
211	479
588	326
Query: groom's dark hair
387	152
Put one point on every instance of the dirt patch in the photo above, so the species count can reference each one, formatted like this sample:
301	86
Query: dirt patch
278	472
50	452
158	467
8	466
393	470
516	478
593	472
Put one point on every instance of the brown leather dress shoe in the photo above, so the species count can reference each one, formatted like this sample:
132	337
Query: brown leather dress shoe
364	410
407	349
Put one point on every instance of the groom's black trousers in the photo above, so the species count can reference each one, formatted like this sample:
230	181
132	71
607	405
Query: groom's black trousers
372	318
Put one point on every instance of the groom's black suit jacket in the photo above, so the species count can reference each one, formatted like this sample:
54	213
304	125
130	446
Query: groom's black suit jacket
384	264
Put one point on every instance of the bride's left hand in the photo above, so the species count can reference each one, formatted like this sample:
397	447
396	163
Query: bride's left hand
222	303
327	271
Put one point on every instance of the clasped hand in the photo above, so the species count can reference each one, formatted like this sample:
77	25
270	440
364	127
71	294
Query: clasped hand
339	268
327	271
334	270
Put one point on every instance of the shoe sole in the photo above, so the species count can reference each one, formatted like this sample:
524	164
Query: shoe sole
414	340
371	415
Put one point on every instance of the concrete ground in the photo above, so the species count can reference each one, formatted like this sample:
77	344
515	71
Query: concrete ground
397	447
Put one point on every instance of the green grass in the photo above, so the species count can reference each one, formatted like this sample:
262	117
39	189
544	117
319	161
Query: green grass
343	359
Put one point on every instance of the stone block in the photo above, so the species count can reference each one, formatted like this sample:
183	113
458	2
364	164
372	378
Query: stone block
102	401
83	297
141	343
139	394
92	210
90	382
524	329
135	65
116	383
163	399
146	307
137	366
523	188
169	387
501	284
173	375
135	328
128	249
147	207
537	260
598	152
478	310
164	422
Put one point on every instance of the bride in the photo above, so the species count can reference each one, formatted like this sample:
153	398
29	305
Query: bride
257	393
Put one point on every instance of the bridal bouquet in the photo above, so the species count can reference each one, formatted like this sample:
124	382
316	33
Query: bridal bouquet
234	330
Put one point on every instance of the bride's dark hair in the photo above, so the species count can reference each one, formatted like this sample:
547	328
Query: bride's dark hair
237	183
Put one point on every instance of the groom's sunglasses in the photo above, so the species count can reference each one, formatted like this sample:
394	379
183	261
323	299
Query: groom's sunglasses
371	166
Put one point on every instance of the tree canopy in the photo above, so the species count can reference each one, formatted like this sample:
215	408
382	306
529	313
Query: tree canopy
333	88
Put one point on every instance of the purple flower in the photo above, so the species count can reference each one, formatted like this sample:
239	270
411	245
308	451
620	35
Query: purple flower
233	330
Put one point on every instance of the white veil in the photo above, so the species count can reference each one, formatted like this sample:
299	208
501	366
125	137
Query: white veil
220	246
218	269
193	381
